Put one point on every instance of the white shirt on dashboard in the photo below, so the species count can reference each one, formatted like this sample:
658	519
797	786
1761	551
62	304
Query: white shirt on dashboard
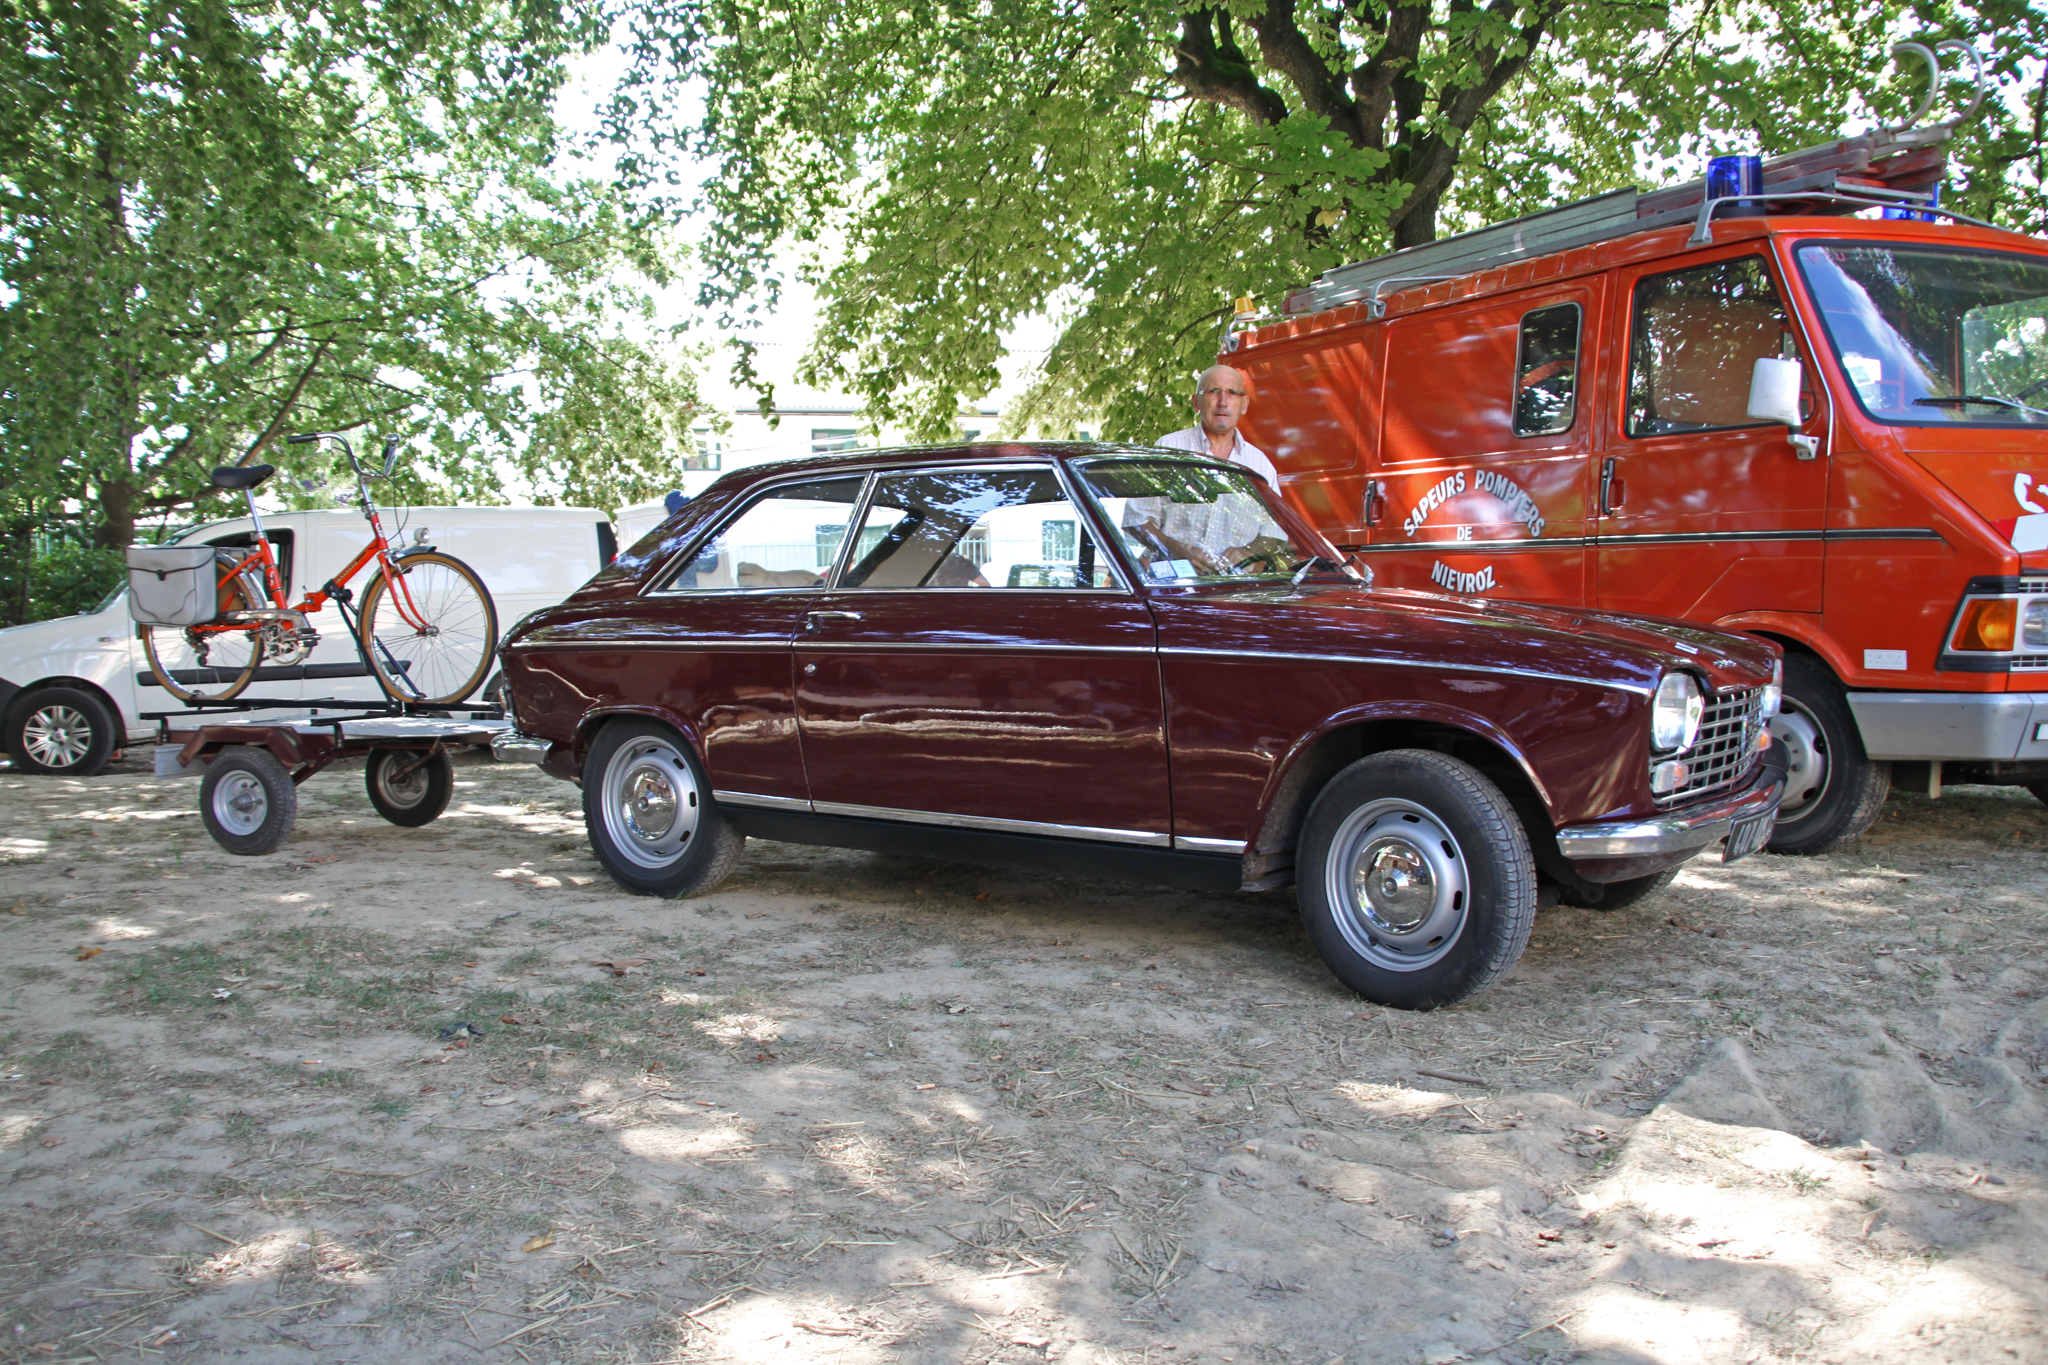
1196	441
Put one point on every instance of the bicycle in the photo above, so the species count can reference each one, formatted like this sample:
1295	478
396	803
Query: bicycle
426	628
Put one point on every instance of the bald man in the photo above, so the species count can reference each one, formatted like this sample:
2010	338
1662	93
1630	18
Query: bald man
1220	401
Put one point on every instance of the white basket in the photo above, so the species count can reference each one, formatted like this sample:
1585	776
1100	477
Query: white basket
172	585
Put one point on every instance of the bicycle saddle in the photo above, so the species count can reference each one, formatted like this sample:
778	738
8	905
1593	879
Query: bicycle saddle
242	476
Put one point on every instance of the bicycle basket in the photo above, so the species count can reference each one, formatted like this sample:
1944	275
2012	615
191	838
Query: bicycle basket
172	585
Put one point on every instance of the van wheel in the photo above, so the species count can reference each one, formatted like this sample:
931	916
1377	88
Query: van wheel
650	815
1621	895
1415	880
1833	791
62	732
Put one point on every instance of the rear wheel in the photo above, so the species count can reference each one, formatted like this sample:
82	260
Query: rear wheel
2039	789
60	731
408	787
1415	879
430	636
248	800
1621	895
1833	791
649	811
206	662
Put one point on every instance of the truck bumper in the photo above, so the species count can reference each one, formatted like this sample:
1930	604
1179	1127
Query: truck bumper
1950	725
513	747
1613	850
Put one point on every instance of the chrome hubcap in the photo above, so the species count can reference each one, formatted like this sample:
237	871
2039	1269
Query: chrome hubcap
240	804
1806	760
1398	880
57	736
650	802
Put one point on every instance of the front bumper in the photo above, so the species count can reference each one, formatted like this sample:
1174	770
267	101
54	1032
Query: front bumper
1671	837
1952	725
513	747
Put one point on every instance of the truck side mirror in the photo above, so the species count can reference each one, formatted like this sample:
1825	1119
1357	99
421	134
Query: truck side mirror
1774	391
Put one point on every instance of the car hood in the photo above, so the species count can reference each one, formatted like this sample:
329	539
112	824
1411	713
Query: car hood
1420	627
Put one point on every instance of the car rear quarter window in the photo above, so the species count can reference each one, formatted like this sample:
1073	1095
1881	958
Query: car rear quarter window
975	528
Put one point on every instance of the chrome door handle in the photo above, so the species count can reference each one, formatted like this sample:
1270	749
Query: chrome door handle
812	618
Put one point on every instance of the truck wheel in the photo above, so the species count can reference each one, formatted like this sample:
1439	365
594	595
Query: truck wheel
1621	895
2039	789
1415	880
407	787
649	811
1833	791
60	731
248	800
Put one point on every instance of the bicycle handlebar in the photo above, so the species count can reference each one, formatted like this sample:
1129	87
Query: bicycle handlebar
390	451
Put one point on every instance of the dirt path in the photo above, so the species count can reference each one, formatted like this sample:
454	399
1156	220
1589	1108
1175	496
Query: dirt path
854	1109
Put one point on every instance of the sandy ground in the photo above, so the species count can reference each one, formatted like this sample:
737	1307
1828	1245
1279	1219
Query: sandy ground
858	1109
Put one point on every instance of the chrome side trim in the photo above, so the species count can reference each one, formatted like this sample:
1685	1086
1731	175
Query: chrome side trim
1264	657
1677	832
763	802
925	817
694	642
512	747
873	646
1190	844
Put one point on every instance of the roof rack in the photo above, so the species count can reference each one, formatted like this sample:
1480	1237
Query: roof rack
1880	169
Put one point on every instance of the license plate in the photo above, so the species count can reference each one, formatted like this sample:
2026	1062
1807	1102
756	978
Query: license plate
1747	836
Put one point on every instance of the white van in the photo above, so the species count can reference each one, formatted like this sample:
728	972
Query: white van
73	690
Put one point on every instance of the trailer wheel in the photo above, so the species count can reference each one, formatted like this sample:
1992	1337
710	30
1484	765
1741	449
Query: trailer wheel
409	788
1833	790
248	800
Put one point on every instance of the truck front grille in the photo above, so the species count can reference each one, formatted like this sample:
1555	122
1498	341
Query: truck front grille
1726	743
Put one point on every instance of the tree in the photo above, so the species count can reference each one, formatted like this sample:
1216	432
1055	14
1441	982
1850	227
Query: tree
221	222
954	166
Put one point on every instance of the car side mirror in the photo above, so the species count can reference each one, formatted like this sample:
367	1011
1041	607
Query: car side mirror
1774	391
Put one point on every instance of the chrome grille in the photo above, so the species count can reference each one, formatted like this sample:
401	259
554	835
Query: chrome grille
1726	743
2029	663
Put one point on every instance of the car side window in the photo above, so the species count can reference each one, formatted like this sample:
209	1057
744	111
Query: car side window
786	538
1696	339
975	528
1547	371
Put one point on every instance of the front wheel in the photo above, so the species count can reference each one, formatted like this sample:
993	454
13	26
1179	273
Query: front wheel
248	800
407	787
429	635
649	811
62	732
1621	895
1416	882
1833	791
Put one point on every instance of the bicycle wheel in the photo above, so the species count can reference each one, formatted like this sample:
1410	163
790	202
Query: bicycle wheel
430	639
200	663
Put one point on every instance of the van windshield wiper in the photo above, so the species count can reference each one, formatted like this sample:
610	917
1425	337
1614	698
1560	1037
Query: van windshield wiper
1989	400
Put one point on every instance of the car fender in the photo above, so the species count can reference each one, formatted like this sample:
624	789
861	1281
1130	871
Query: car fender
591	721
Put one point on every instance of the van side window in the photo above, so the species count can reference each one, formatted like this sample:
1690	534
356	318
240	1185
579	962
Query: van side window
1547	371
1697	337
787	538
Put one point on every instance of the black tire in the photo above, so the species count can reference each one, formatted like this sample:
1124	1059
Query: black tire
409	788
498	693
1435	824
1621	895
1833	790
2039	789
61	732
433	645
196	664
248	800
649	811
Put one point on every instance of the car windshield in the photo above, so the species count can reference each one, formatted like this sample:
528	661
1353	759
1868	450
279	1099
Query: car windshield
1184	522
1929	336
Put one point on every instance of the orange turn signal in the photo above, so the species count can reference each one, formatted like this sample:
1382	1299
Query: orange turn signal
1987	624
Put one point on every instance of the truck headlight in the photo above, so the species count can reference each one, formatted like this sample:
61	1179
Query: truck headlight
1774	692
2034	624
1675	713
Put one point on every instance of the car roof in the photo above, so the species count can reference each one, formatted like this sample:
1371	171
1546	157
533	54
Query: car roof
949	453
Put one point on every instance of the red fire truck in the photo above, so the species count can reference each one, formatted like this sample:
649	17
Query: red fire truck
1773	413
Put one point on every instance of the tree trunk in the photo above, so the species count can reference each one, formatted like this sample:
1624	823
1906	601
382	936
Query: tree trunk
117	515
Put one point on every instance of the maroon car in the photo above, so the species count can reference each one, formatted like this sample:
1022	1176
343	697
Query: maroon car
1103	659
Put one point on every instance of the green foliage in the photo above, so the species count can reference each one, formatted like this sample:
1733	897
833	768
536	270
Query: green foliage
220	223
951	168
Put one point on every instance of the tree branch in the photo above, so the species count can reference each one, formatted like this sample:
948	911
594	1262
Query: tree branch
285	408
1217	71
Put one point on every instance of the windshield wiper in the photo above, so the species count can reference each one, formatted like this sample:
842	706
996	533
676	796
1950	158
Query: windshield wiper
1323	562
1989	400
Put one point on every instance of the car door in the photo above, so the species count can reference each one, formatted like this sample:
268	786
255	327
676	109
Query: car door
980	664
1701	510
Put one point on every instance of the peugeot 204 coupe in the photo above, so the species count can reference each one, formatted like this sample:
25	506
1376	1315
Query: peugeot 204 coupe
1110	660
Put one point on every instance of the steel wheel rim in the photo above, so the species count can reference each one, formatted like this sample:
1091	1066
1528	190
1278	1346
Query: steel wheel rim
57	736
650	802
1807	770
1396	879
448	647
240	803
407	790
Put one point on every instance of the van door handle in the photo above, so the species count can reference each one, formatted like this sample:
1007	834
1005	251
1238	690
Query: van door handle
1375	501
1612	490
812	618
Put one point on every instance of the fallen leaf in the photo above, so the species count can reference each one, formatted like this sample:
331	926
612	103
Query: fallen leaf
956	1008
932	1086
619	966
90	952
538	1241
20	907
509	1019
826	1330
53	1142
499	1101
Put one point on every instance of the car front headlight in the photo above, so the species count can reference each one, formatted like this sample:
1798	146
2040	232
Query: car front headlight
1774	692
1675	713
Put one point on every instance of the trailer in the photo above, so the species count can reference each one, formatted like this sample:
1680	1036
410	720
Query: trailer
250	772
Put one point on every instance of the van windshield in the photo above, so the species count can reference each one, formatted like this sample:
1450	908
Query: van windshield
1936	337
